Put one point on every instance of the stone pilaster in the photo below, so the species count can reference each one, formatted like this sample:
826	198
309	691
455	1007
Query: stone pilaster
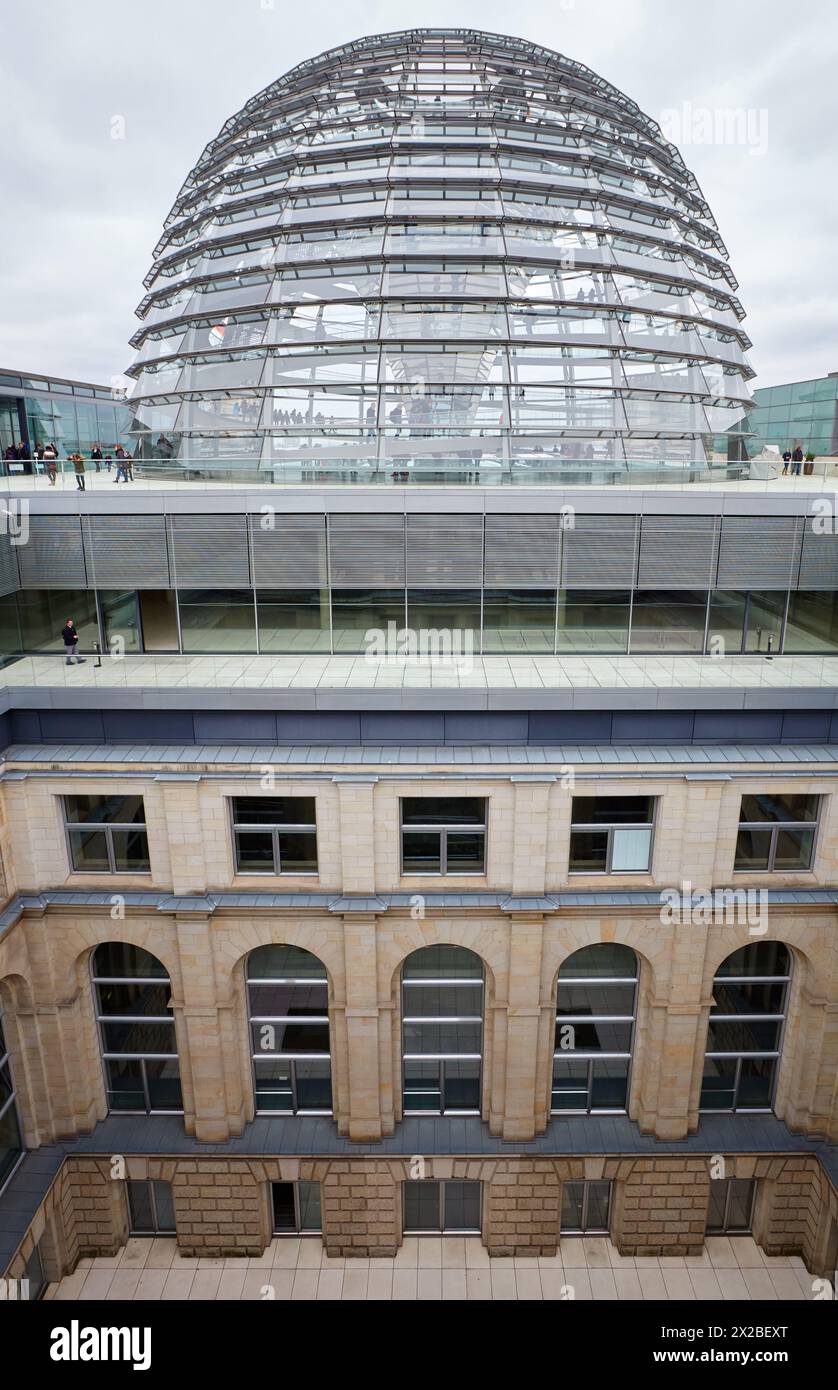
357	833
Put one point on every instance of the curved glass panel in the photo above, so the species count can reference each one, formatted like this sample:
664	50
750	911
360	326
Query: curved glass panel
416	187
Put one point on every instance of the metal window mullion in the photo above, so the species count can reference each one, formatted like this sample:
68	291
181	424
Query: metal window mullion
146	1092
153	1204
726	1219
736	1079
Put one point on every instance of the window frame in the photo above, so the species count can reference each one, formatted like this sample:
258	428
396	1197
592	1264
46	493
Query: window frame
10	1104
274	828
609	827
299	1229
107	1054
774	1055
105	827
776	827
442	1229
156	1229
37	1286
441	1059
726	1228
585	1229
290	1058
587	1055
443	830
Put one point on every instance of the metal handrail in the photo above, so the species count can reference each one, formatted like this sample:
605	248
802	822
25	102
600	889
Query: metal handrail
533	470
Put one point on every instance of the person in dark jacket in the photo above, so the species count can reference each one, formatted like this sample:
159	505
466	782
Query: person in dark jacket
786	460
796	461
96	457
70	638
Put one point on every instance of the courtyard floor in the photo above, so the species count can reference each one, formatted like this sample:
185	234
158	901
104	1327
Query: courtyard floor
433	1268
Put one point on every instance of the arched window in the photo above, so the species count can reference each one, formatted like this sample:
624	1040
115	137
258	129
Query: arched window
595	1012
288	1005
745	1031
11	1141
442	1031
136	1029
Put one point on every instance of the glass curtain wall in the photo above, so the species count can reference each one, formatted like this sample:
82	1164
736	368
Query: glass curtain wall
455	623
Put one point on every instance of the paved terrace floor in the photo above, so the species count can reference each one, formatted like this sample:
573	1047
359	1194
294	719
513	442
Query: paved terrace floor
442	1267
518	672
104	483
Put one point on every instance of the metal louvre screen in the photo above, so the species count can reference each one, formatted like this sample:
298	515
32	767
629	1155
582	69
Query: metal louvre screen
444	552
819	559
9	581
758	552
209	552
289	552
53	557
126	552
522	552
366	550
598	552
677	552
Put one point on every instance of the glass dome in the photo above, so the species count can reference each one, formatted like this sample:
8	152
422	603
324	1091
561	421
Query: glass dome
441	255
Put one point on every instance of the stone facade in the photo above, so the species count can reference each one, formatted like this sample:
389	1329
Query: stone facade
49	1019
222	1206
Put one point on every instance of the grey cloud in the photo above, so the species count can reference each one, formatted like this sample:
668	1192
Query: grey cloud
82	211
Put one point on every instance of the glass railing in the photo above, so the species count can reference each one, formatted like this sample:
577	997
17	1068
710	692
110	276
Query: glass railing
530	470
514	671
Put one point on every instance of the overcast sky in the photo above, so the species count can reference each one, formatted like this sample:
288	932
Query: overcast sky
82	211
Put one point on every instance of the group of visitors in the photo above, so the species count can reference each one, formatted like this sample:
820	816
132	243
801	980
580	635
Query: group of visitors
45	460
16	452
795	458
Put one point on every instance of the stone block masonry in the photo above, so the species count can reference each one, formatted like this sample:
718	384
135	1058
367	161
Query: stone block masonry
223	1206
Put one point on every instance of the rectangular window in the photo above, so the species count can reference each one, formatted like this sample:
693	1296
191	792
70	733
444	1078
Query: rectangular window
34	1275
441	1207
275	834
611	834
776	832
295	1207
731	1206
150	1208
443	835
106	834
586	1208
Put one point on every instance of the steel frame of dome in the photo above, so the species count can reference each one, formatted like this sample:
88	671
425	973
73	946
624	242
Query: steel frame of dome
448	256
